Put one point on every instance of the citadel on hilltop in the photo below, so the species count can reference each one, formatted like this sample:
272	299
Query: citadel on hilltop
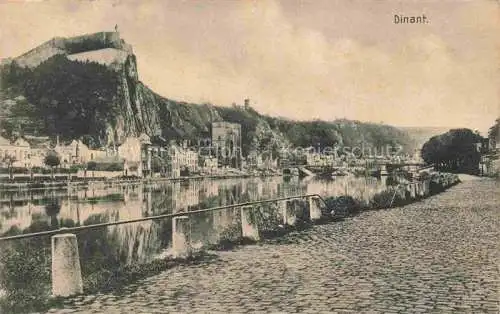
73	45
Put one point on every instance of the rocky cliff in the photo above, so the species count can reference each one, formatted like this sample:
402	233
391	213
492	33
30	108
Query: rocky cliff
91	78
88	87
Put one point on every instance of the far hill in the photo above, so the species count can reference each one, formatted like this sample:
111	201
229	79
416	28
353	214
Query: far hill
422	134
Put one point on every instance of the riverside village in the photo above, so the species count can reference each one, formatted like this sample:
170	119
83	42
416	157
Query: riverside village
246	157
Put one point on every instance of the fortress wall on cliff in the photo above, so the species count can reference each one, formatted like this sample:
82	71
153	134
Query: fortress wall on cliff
72	45
39	54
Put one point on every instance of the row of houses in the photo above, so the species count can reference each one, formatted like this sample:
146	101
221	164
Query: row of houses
313	157
135	156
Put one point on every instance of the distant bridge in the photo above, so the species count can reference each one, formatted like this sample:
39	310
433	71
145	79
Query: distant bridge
379	167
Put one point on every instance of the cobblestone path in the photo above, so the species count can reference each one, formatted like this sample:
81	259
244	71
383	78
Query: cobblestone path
440	255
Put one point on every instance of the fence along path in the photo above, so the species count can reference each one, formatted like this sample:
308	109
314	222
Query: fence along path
66	269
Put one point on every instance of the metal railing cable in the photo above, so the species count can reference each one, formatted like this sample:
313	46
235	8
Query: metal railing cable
157	217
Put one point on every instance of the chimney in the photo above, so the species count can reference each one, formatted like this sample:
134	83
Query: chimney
247	103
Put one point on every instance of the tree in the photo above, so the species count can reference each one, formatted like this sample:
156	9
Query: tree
454	151
66	97
52	160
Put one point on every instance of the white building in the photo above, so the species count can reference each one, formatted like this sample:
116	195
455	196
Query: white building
137	155
208	164
16	154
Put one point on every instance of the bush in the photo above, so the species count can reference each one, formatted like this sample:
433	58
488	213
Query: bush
92	165
40	170
74	168
114	167
25	275
343	206
382	199
398	196
18	170
441	181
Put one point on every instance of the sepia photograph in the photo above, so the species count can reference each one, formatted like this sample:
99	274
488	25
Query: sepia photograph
249	156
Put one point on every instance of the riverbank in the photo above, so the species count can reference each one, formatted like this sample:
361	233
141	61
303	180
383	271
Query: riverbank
394	196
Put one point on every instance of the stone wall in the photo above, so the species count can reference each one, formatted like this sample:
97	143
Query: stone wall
72	45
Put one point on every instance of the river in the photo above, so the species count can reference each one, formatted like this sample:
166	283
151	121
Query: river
135	243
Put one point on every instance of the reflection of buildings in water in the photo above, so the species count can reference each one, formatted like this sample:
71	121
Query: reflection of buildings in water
210	188
171	196
292	187
11	198
188	195
80	212
120	202
147	207
21	217
360	188
138	242
105	206
131	192
160	200
135	241
223	220
269	188
254	189
177	196
230	194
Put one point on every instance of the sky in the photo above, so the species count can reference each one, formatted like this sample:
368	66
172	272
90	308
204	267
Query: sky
309	59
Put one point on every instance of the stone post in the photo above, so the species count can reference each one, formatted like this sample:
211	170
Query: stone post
281	205
383	170
426	187
420	189
249	226
290	217
314	210
181	237
66	271
413	192
383	180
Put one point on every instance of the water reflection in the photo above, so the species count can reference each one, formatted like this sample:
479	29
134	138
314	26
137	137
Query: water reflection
103	248
100	202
